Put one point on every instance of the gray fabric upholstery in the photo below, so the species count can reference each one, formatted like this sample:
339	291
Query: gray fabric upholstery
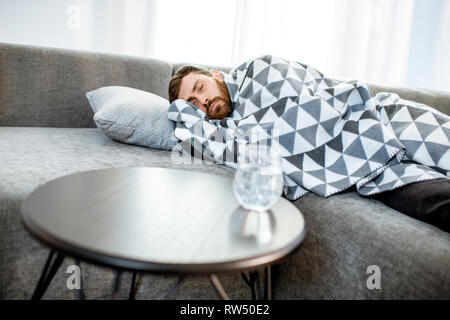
345	233
133	116
46	87
178	65
42	88
33	156
439	100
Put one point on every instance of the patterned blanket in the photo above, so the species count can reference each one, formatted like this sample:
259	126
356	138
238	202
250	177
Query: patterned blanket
331	135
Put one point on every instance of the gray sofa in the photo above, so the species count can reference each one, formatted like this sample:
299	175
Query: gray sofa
47	131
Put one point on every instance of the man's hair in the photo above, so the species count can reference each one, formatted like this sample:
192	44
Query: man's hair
175	82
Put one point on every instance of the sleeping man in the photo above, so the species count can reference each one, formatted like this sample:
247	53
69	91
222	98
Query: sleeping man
331	136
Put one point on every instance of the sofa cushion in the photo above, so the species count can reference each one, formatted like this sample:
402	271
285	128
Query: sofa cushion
347	236
30	157
133	116
345	232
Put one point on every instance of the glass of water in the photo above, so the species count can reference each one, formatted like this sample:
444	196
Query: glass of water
258	181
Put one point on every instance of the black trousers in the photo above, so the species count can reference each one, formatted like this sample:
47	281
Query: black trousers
428	201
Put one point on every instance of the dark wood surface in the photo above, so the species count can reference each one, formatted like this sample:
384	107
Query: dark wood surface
159	219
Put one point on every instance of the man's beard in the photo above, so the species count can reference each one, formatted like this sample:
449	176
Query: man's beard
223	108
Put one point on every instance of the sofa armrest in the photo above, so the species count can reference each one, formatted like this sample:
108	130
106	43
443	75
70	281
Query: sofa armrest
440	100
46	86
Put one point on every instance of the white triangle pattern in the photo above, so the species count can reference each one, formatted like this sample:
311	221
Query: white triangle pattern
319	91
424	156
411	133
438	136
402	115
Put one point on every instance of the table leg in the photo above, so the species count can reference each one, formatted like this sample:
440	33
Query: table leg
172	290
254	278
81	295
218	286
47	274
268	283
116	286
258	285
250	282
132	289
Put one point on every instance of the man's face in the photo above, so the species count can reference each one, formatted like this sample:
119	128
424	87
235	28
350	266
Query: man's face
209	94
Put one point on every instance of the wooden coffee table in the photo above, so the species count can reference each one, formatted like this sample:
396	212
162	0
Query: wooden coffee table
158	220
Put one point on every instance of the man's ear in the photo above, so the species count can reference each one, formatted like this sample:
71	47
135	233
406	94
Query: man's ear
216	74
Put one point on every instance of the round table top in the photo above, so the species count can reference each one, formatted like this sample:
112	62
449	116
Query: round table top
157	219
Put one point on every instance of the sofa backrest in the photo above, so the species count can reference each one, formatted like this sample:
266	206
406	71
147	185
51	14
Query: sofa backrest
439	100
46	86
178	65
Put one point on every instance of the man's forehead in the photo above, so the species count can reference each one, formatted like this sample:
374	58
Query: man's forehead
187	84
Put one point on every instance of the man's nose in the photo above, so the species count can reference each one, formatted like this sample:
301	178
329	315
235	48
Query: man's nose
204	100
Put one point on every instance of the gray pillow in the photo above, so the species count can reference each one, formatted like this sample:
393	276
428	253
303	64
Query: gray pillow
133	116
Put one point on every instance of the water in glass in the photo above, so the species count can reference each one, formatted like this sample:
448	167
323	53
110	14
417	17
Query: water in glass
258	187
258	181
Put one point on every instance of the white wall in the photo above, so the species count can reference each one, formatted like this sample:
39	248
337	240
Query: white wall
357	44
102	24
